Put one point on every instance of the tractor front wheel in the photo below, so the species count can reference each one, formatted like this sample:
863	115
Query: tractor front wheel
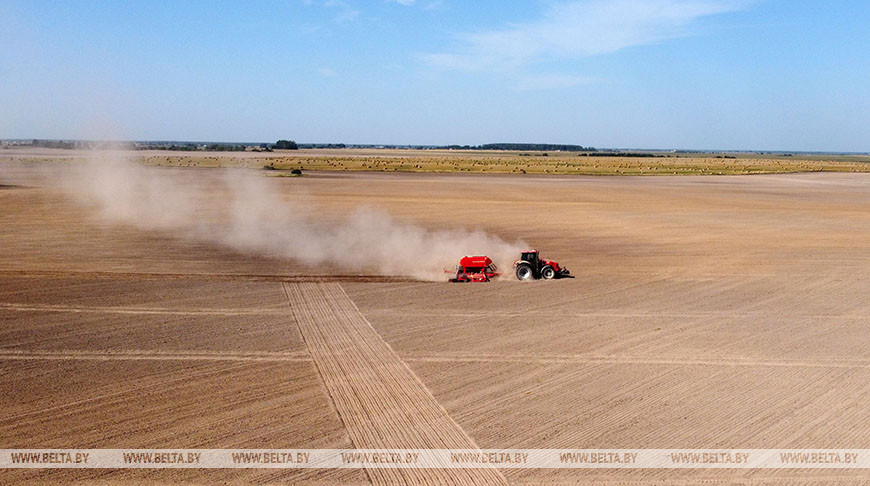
524	272
548	272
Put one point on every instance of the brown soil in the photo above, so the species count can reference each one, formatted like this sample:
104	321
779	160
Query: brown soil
707	312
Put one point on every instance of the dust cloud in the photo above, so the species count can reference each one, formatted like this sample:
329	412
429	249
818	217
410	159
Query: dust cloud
245	211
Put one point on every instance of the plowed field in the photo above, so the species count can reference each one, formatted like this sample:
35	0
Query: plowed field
707	312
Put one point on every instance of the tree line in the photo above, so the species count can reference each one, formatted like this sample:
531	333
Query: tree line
537	147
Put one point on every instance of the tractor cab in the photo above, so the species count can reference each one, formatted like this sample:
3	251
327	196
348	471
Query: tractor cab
530	256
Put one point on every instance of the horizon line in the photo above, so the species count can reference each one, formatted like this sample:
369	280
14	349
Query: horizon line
405	146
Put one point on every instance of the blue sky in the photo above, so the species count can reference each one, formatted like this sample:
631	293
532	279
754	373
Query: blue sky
706	74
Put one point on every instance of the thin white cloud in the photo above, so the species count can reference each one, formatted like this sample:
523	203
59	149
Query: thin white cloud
326	72
346	13
580	29
431	5
550	81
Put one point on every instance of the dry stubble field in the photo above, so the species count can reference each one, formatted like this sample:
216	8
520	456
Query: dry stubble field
707	312
479	161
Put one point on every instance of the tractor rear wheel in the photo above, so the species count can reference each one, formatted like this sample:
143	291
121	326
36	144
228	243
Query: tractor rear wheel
548	272
524	271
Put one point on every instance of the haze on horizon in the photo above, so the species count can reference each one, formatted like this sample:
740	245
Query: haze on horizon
685	74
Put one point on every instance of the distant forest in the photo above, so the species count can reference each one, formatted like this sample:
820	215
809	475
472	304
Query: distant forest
537	147
292	145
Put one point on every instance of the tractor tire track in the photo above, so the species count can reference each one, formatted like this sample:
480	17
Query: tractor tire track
670	315
382	403
143	355
632	360
136	310
219	277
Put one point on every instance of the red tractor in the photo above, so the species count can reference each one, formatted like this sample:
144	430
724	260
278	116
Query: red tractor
475	269
531	266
